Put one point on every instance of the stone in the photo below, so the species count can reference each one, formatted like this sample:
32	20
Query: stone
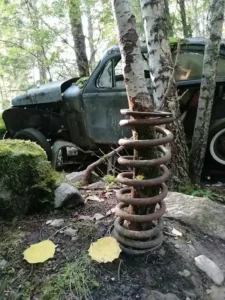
97	185
156	295
200	213
67	195
57	223
75	176
210	268
185	273
70	232
217	293
177	246
97	216
162	252
170	296
3	264
78	177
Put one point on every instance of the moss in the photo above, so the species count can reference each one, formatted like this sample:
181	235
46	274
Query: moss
27	180
75	278
2	124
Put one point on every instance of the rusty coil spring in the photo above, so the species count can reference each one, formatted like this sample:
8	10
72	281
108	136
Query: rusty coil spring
140	242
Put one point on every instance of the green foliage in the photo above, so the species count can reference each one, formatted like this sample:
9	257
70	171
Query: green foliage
2	124
194	190
26	179
75	278
110	179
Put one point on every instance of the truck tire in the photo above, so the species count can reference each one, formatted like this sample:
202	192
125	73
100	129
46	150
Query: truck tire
35	136
217	144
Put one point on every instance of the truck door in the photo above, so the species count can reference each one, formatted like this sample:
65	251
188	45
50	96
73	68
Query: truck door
103	104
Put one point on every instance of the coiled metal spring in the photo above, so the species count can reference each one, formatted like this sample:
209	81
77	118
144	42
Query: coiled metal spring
142	241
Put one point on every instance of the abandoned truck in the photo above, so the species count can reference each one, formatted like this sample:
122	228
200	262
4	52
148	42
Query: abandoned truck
86	114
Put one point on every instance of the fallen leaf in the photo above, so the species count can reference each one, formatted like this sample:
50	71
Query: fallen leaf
98	216
176	232
40	252
84	218
104	250
111	211
94	198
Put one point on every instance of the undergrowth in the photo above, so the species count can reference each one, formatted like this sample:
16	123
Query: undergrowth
195	190
74	281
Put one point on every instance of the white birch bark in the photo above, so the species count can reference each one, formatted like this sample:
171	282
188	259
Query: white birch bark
164	87
160	61
200	136
131	54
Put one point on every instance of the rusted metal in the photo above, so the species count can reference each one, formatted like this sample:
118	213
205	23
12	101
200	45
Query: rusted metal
139	242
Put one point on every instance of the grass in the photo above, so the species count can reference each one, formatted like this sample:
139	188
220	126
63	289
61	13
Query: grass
60	278
74	281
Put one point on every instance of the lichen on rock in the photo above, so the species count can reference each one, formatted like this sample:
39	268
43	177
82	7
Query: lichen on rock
27	181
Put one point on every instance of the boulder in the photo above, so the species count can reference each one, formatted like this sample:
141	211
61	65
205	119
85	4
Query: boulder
201	214
67	195
27	181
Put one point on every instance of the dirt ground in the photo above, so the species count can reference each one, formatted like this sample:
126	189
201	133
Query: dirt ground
72	275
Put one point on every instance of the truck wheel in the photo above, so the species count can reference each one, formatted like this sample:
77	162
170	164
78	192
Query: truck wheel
35	136
217	144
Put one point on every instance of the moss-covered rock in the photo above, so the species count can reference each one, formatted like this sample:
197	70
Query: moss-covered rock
27	181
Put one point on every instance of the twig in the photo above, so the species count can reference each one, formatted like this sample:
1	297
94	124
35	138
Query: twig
90	168
119	269
57	232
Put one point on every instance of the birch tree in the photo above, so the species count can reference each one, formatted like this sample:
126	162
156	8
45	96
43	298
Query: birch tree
136	88
164	88
200	136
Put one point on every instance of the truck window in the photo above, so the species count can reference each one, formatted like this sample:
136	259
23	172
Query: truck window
221	67
105	79
190	66
119	73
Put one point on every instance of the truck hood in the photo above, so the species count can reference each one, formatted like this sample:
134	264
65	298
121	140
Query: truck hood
46	93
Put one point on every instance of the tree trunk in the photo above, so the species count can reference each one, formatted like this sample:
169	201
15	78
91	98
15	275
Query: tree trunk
200	136
78	37
90	33
186	27
169	23
164	86
196	18
137	92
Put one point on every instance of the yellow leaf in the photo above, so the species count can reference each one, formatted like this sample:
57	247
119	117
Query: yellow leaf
40	252
104	250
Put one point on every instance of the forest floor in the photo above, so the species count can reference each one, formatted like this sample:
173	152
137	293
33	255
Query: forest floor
72	275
